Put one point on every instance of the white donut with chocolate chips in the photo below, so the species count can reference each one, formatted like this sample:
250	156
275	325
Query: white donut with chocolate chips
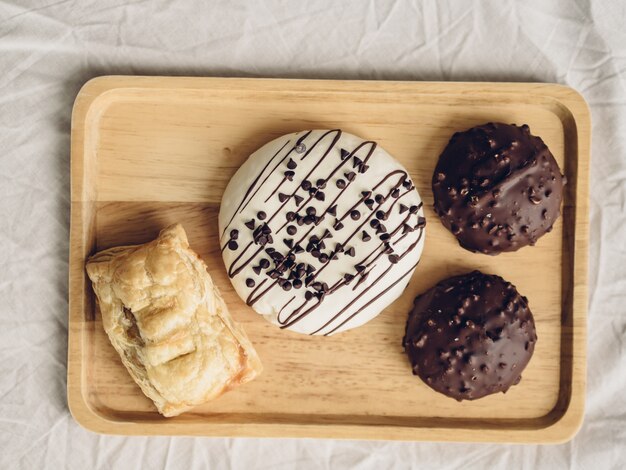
320	231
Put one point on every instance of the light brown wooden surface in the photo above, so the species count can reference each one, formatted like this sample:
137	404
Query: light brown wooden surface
149	151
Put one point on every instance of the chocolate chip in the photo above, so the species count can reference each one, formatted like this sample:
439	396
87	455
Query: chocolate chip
290	216
366	236
385	236
369	203
291	229
338	225
289	175
317	286
232	245
320	196
379	198
250	282
320	183
380	215
344	154
308	295
413	209
291	164
310	268
350	251
306	185
363	168
332	210
297	283
274	274
323	258
355	215
286	285
261	215
234	234
421	222
288	242
394	259
340	183
360	268
374	223
298	249
315	253
366	194
256	269
282	197
356	161
395	193
298	199
350	176
348	277
250	224
264	263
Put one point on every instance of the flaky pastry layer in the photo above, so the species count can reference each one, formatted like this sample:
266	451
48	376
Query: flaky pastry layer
168	322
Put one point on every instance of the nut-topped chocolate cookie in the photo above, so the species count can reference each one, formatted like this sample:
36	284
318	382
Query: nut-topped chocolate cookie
497	188
320	230
470	336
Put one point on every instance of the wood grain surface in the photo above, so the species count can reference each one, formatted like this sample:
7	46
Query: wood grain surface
150	151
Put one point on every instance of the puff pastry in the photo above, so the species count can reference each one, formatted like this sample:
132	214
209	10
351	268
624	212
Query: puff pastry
169	323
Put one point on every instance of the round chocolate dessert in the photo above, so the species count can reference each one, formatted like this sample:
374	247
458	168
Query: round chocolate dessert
320	231
497	188
470	336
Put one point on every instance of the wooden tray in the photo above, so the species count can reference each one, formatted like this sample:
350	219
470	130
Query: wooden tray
148	151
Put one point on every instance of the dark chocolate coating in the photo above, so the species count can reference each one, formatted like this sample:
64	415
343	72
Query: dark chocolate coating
470	336
497	188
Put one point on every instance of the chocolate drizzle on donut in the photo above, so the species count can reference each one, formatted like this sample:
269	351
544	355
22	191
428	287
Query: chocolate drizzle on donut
286	271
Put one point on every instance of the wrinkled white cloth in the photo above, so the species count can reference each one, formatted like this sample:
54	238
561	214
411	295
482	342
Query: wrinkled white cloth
49	48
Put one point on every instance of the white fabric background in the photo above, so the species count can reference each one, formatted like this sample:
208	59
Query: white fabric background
49	48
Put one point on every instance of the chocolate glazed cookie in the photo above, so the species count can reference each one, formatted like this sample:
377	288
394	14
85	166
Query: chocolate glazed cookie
470	336
497	188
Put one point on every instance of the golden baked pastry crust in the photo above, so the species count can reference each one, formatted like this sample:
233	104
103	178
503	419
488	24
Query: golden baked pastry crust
169	323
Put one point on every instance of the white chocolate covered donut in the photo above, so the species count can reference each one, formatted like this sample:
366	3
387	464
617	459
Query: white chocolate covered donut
320	231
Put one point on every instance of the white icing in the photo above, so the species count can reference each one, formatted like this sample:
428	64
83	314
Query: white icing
385	279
